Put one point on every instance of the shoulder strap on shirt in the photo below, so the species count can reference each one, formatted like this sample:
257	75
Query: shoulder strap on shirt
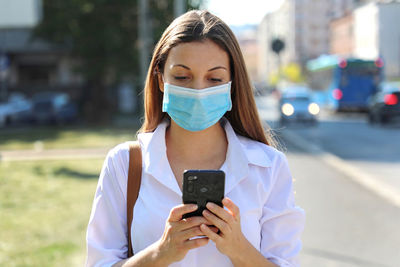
133	186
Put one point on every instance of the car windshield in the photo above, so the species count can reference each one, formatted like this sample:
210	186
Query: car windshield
296	100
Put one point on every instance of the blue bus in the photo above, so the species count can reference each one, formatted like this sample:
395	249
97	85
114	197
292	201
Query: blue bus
344	84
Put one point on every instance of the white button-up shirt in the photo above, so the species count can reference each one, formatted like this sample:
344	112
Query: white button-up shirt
258	181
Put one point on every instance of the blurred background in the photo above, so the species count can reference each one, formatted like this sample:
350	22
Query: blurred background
326	77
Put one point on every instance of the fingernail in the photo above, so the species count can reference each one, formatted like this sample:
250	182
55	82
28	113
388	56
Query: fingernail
193	207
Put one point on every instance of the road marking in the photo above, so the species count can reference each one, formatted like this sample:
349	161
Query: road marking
382	189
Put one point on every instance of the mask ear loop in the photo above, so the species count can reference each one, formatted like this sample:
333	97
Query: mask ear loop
160	82
165	114
163	82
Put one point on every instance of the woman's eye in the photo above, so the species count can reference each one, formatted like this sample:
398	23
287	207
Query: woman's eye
216	80
180	78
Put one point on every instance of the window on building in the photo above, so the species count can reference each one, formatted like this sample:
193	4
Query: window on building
35	74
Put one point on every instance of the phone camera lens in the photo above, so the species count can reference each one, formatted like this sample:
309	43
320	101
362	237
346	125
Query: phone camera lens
191	178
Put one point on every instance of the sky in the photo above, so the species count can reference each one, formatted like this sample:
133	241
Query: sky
242	12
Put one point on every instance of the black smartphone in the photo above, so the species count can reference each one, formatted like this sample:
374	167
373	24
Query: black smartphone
201	187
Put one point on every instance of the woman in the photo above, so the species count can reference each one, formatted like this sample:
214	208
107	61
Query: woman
199	114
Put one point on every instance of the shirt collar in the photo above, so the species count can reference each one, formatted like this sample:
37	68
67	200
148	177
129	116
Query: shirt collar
154	153
241	153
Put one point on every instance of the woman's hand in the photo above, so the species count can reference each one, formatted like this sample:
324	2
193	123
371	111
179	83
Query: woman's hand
175	242
230	240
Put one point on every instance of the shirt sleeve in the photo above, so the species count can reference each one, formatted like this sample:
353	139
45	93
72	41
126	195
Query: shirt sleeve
282	221
107	229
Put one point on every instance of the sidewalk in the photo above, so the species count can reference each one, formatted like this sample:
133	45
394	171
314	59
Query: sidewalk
53	154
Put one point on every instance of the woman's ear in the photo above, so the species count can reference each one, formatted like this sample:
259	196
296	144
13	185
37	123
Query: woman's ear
160	81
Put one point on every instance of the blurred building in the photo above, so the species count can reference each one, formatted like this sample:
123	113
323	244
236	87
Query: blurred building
342	36
32	64
377	34
304	27
370	32
247	38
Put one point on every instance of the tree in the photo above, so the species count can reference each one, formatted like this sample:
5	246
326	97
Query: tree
103	36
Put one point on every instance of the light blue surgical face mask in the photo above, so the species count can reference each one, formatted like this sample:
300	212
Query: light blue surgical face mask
196	109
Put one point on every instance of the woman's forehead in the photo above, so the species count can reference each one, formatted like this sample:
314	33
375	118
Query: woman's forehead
198	54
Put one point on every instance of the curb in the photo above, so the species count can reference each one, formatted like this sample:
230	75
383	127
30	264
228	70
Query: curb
364	179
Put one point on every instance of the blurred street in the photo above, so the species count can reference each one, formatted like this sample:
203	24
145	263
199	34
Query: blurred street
347	179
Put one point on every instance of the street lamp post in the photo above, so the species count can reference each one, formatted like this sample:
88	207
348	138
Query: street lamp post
144	38
278	45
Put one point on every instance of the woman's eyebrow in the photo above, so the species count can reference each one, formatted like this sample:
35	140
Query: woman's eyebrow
186	67
218	67
181	65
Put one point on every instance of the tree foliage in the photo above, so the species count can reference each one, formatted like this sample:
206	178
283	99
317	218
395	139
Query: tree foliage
103	36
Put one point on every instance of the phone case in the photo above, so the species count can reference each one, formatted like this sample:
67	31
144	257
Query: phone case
201	187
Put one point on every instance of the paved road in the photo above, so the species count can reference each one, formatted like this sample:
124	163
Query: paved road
370	150
374	149
347	224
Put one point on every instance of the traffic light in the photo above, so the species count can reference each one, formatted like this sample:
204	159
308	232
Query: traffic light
277	45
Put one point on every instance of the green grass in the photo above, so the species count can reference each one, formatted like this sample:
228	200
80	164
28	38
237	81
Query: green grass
65	137
44	211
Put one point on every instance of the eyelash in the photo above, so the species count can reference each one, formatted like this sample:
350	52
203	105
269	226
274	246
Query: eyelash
181	78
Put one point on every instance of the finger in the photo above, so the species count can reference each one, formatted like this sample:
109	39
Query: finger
228	203
220	212
192	221
220	224
208	223
177	212
195	243
213	228
209	233
188	223
190	233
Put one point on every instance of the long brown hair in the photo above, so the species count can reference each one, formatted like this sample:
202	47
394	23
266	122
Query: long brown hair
198	25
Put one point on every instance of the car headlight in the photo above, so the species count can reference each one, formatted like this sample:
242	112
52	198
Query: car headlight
313	108
287	109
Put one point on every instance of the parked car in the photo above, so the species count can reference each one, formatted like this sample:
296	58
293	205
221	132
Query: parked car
296	105
52	107
384	105
3	114
16	109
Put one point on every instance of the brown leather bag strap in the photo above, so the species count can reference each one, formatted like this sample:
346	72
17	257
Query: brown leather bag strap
133	186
